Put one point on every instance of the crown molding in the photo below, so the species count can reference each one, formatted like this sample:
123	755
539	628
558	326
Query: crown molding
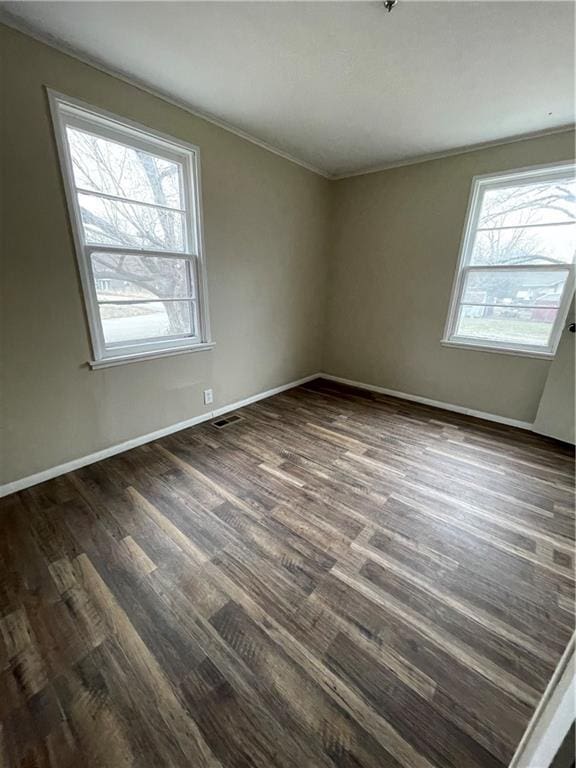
14	22
464	150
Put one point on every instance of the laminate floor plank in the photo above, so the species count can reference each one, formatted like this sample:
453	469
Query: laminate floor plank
339	579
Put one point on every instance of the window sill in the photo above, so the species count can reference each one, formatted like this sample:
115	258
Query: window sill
109	362
544	355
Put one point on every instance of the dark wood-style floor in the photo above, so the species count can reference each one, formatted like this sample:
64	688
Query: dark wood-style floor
339	579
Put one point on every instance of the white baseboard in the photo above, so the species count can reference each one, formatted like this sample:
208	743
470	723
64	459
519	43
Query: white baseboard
426	401
113	450
70	466
263	395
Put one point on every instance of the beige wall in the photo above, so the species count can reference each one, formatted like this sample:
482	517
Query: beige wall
394	247
265	222
352	277
555	415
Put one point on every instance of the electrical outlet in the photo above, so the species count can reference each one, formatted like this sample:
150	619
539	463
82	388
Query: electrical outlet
208	397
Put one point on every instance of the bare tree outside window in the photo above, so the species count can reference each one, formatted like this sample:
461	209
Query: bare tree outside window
512	281
135	208
515	229
152	220
525	211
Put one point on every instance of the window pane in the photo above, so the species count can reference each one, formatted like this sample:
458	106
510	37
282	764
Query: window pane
154	320
111	222
126	276
506	324
535	245
529	204
515	287
116	169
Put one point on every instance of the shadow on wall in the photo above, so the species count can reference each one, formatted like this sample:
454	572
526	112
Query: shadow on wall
556	412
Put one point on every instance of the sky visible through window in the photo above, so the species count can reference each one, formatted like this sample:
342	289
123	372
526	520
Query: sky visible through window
523	225
130	197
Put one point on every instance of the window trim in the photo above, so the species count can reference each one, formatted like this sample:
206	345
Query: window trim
66	110
517	176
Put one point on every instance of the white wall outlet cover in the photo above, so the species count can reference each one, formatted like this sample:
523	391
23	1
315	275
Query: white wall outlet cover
208	396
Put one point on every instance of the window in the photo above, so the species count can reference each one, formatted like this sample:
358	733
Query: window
515	276
134	203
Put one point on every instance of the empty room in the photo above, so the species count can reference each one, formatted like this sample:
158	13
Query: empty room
287	384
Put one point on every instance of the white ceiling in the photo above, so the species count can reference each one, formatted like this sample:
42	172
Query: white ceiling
342	86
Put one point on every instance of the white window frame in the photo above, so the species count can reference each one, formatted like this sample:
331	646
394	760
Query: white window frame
69	111
480	184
